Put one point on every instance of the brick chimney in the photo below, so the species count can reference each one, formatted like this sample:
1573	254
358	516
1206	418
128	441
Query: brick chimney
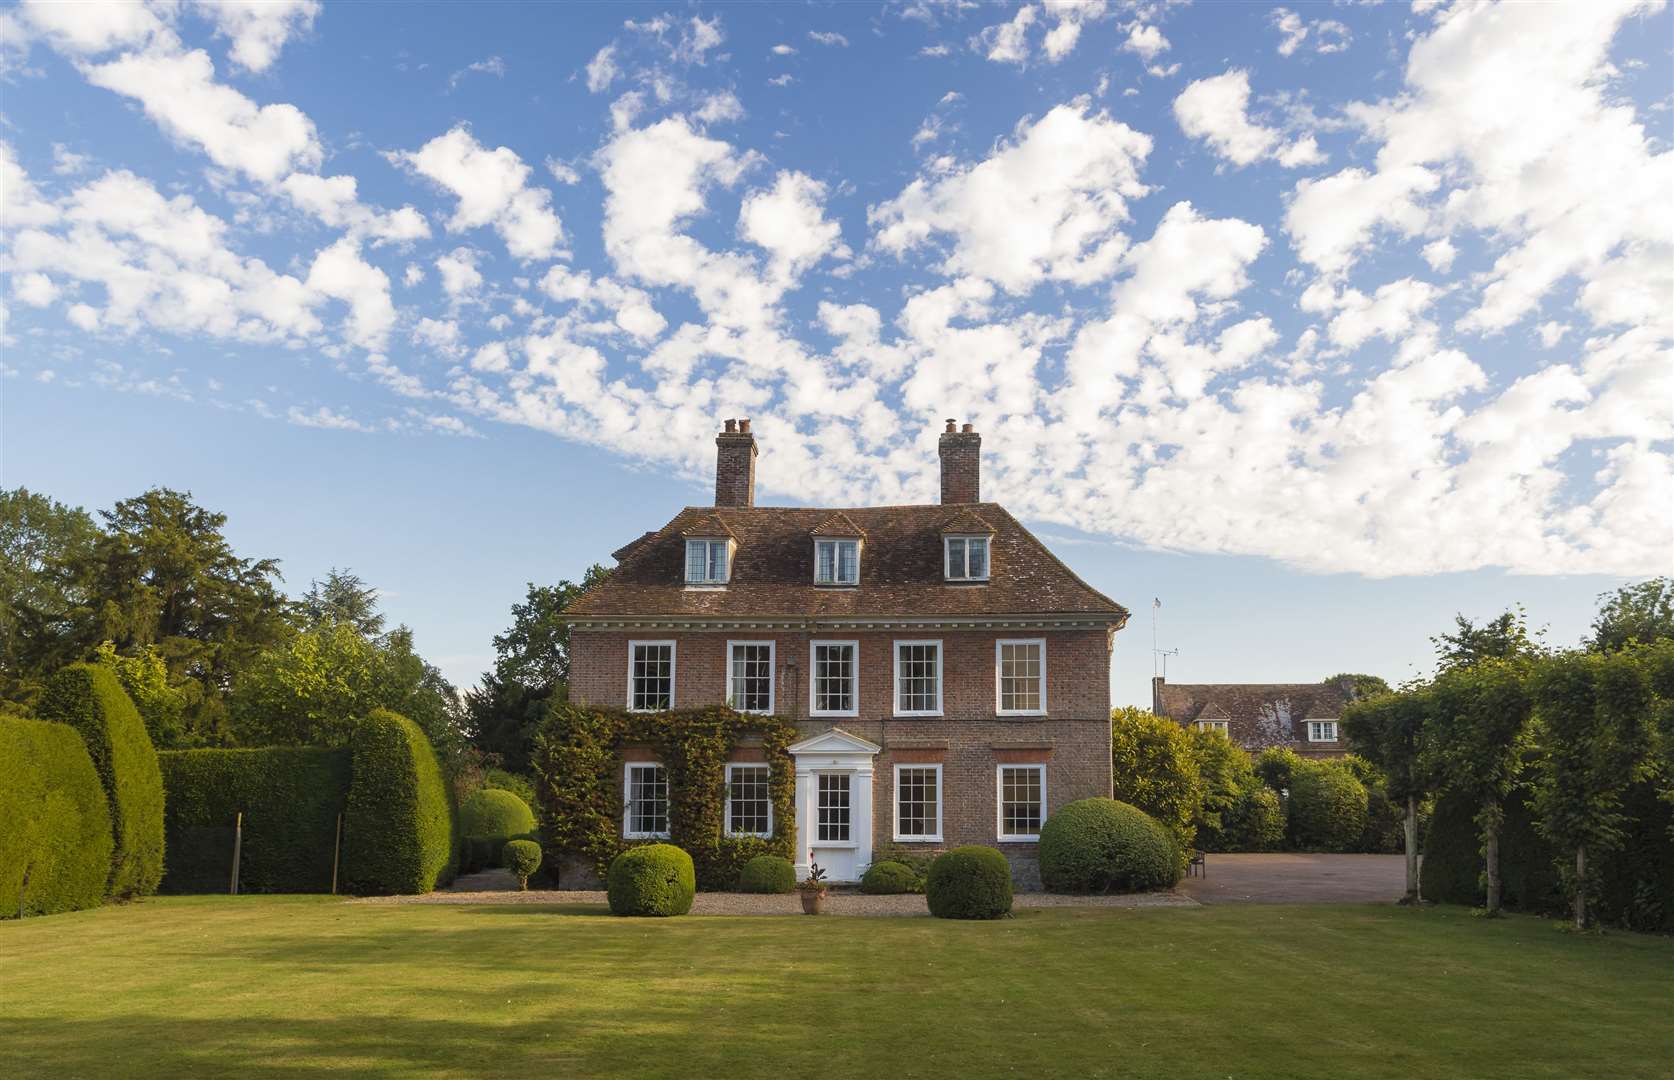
735	465
961	452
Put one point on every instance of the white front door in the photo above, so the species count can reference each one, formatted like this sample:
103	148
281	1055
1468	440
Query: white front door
833	844
834	804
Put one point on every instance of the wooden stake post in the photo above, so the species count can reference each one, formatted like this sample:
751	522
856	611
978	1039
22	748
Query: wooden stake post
238	849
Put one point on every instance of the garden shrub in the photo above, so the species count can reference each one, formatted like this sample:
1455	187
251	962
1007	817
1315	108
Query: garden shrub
913	857
398	830
89	698
767	874
1326	809
55	837
1154	763
290	797
1238	813
888	878
521	786
1256	822
522	858
487	819
1100	845
652	879
972	882
1275	765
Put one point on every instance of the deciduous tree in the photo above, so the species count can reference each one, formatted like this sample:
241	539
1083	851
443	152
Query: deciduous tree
1388	730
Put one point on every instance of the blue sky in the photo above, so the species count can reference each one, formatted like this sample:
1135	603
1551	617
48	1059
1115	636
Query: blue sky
1319	322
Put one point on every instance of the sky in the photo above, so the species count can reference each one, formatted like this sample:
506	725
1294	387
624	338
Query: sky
1316	323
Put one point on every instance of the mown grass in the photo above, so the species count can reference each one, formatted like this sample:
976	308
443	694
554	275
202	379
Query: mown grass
298	986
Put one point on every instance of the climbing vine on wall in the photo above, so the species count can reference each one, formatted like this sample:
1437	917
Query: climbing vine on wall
577	760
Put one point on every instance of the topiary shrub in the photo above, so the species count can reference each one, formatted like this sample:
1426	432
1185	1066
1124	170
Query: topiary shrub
972	882
89	698
398	830
1327	808
487	819
889	878
523	858
55	838
767	874
653	879
1103	846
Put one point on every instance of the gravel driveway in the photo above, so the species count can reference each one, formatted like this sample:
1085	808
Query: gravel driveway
1299	879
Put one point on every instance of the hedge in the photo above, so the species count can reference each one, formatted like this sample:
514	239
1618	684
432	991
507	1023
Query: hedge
767	874
89	698
971	882
1327	807
398	830
487	819
55	838
290	798
652	879
1100	845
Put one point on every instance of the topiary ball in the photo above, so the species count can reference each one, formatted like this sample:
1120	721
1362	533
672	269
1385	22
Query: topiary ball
487	819
1103	846
653	879
889	878
523	858
971	882
767	874
1327	808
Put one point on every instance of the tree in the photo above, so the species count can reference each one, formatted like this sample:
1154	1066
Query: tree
342	597
161	704
1238	812
1155	768
1500	638
1640	613
1388	730
46	553
1476	731
1359	686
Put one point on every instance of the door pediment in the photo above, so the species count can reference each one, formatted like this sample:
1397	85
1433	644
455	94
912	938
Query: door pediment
835	741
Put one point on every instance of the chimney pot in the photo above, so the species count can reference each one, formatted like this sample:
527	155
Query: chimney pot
961	454
744	426
969	428
951	425
732	425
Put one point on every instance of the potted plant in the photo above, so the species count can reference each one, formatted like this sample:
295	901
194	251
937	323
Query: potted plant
813	890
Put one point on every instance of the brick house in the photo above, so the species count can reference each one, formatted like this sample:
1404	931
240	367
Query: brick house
948	675
1301	716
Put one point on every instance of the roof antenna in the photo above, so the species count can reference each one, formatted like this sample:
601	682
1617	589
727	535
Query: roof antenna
1158	656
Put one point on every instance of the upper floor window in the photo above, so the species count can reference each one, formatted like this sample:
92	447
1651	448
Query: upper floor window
750	676
918	678
1322	731
706	562
836	562
650	675
966	558
1020	677
835	675
1221	726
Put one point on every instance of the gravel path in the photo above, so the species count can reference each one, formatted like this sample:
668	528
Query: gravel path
837	903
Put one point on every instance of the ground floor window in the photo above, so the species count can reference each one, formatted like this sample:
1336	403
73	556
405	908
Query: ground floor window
833	807
645	786
749	807
1022	801
918	802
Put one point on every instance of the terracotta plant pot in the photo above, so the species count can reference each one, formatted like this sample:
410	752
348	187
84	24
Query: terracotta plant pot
813	902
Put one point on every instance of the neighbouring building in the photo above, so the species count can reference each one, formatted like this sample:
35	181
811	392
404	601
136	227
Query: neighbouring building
950	677
1301	716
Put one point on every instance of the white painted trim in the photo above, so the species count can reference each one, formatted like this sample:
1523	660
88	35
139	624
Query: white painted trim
998	697
854	677
627	801
1000	806
836	562
772	675
726	571
947	556
1224	726
895	798
726	821
941	671
673	670
1336	729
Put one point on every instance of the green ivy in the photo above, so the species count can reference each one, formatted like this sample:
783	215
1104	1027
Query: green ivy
577	762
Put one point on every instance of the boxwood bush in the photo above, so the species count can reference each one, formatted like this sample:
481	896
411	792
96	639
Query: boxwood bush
652	879
487	819
522	858
971	882
290	798
1103	846
889	878
1327	807
767	874
89	698
398	831
55	838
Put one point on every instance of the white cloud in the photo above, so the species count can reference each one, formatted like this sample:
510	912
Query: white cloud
458	270
491	186
602	70
334	201
720	108
36	290
1389	314
340	273
1216	110
1440	254
66	162
1145	40
789	222
783	50
494	66
828	37
1328	35
258	30
1007	42
93	27
324	417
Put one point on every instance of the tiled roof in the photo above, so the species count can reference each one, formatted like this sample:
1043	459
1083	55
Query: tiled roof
901	571
709	525
1260	714
838	524
967	523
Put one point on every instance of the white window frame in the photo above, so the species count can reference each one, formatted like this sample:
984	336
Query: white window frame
726	560
999	684
813	678
941	674
1000	802
836	560
1334	730
940	802
772	677
726	826
628	768
1222	726
947	556
673	670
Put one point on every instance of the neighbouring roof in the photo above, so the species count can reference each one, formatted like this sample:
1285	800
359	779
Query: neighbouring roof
901	571
1251	702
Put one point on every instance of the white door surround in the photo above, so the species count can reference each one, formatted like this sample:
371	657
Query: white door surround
841	757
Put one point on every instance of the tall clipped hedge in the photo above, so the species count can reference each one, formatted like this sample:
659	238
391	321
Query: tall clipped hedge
89	698
577	761
290	798
55	839
398	831
1327	810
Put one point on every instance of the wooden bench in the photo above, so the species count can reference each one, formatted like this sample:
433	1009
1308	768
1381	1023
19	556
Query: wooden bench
1197	866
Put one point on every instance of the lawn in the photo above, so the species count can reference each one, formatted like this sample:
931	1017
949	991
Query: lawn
293	986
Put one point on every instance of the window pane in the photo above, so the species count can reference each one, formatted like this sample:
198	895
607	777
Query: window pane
919	803
848	562
647	799
834	678
717	560
976	557
956	558
823	557
748	804
694	560
916	678
752	678
1020	801
1021	676
834	806
653	677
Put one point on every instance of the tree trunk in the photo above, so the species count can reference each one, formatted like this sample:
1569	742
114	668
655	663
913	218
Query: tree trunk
1491	852
1411	831
1581	886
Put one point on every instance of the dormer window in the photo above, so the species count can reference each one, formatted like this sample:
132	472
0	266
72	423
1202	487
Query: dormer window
836	562
707	561
966	558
